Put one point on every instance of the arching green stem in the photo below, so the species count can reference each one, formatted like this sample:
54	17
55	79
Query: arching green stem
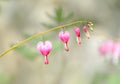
40	34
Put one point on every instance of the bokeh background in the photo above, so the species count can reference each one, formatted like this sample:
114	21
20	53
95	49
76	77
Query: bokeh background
83	64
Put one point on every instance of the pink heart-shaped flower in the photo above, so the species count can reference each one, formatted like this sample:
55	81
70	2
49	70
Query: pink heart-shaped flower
64	37
44	48
116	49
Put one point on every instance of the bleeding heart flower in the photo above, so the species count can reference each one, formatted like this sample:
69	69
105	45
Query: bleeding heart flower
64	37
45	48
116	53
111	48
106	47
85	28
102	49
116	49
77	32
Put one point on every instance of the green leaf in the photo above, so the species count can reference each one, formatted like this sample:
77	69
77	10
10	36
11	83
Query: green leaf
69	16
5	78
48	25
59	15
26	35
56	46
51	16
114	79
27	52
31	54
100	78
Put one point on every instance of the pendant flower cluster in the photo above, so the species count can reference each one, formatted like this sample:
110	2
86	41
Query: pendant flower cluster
45	47
109	48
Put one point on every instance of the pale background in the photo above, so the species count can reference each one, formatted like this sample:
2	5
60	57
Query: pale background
79	65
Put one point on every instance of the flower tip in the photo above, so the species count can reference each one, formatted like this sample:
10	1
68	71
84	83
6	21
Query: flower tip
67	50
66	47
85	28
78	43
90	23
46	60
91	28
78	40
87	35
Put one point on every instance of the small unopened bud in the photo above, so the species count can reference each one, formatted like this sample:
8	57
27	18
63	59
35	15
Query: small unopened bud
90	25
77	32
85	28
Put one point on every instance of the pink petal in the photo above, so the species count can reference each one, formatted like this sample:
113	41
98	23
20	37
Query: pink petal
44	48
64	36
85	28
116	49
77	31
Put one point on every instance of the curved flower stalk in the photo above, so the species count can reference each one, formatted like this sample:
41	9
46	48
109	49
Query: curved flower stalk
45	47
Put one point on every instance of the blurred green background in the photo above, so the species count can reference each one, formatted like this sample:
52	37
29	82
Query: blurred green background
83	64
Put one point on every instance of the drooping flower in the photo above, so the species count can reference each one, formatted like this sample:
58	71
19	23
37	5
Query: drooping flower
116	53
102	49
77	32
45	48
85	28
116	49
64	37
106	47
112	49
